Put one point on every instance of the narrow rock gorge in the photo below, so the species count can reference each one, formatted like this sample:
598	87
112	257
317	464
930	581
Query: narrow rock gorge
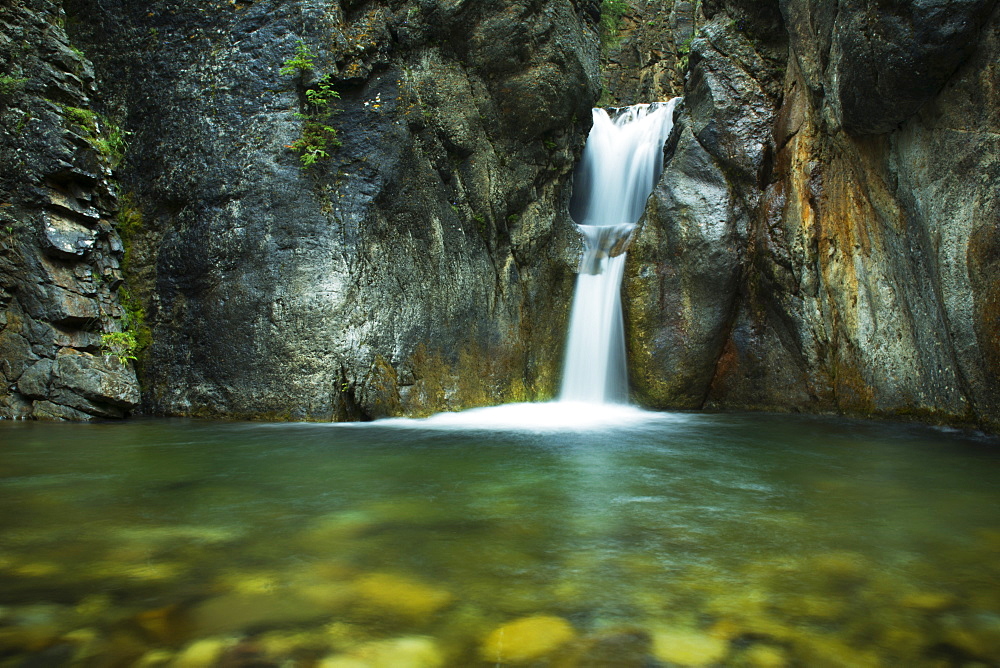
824	236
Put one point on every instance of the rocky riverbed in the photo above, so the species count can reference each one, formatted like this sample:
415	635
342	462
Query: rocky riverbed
685	540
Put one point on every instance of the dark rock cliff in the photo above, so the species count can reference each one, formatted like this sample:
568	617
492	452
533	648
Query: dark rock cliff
825	237
426	264
59	252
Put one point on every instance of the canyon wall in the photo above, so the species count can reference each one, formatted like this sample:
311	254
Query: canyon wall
425	262
60	256
825	236
644	56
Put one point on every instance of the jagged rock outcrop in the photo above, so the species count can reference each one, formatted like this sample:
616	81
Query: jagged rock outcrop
688	257
59	251
835	249
427	264
644	57
870	66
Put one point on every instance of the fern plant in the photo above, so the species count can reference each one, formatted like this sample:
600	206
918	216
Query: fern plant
300	63
121	345
319	137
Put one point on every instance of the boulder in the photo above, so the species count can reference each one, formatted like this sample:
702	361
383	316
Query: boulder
681	278
404	652
74	387
400	597
689	648
526	639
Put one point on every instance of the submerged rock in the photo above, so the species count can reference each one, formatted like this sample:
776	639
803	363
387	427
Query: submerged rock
396	596
825	651
763	656
977	633
203	653
239	612
631	648
405	652
931	601
155	658
526	639
685	647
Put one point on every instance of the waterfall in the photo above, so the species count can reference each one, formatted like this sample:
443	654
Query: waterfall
621	162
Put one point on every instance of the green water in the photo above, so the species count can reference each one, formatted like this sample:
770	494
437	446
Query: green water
684	540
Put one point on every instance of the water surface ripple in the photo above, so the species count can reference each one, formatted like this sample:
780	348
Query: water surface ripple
550	534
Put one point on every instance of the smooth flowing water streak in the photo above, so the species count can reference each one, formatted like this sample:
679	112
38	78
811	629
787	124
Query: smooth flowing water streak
594	367
621	163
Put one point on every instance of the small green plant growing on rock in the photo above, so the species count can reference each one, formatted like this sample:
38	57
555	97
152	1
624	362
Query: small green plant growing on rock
612	12
112	144
11	86
684	54
10	227
480	222
129	224
319	137
121	345
134	320
128	221
11	230
105	136
300	63
85	118
313	144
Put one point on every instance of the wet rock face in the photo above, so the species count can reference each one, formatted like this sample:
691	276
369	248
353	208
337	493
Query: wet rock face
865	278
683	270
59	252
876	63
681	277
426	264
643	60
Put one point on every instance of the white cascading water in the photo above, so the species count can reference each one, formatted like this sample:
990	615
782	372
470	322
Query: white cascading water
621	162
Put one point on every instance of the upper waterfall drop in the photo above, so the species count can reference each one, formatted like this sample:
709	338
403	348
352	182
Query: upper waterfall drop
621	162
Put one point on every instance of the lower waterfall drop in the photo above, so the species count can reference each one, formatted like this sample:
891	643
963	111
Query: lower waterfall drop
621	162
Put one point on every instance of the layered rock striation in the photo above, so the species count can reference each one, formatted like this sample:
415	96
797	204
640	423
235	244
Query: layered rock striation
825	235
60	253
